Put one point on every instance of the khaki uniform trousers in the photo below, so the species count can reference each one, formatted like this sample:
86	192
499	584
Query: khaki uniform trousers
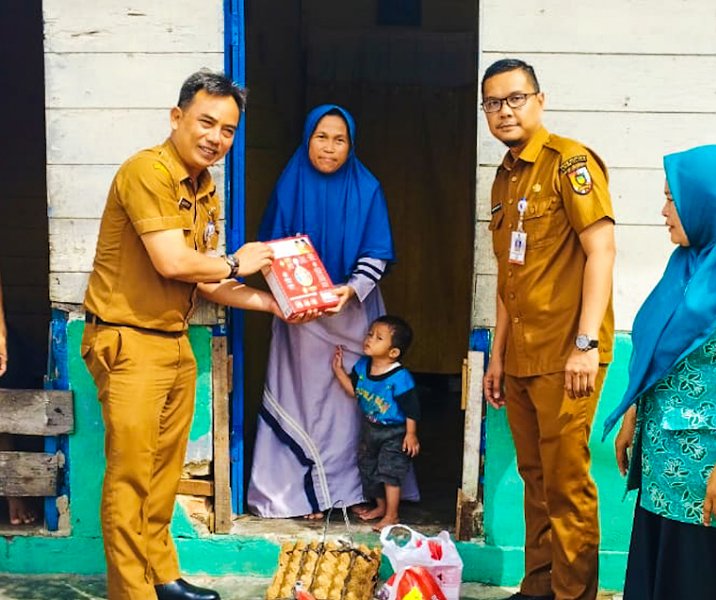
551	435
145	383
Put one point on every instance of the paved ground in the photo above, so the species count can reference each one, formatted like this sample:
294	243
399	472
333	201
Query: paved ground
18	587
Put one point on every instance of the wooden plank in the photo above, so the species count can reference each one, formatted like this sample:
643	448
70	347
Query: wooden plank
28	474
629	140
111	26
80	191
626	27
68	288
72	244
468	500
222	486
642	254
623	83
196	487
36	412
637	195
484	301
112	134
122	80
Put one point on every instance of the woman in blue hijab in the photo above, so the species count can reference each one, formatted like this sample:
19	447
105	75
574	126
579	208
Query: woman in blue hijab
669	407
306	442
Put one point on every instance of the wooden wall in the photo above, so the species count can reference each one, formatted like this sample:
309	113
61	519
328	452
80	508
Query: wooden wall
112	72
632	79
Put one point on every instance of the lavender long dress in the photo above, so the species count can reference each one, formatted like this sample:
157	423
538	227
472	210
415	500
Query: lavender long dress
305	458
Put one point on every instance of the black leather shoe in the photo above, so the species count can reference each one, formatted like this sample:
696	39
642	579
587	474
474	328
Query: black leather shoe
182	590
521	596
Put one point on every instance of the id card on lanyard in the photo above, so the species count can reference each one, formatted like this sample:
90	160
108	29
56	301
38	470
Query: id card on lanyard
518	238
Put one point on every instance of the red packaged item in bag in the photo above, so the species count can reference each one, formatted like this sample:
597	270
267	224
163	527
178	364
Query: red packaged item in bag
416	583
297	277
436	555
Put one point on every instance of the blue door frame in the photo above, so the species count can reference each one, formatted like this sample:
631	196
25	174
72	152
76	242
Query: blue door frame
235	68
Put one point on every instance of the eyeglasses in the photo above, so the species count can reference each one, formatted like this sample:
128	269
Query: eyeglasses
492	105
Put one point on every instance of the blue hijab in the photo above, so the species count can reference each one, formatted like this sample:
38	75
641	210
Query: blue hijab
344	213
680	313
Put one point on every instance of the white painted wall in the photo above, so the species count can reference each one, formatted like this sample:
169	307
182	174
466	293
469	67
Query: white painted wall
633	80
112	72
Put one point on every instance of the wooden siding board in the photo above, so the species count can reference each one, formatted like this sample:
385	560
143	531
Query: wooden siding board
80	191
112	26
622	83
91	80
28	474
634	140
80	137
36	412
626	27
642	253
72	244
637	194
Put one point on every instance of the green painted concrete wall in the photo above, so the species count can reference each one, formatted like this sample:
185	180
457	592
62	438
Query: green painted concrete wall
499	559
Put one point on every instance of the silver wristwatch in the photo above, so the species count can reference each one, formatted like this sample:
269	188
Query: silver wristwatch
233	262
584	343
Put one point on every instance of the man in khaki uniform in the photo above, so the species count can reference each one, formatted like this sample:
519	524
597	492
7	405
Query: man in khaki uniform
553	235
157	248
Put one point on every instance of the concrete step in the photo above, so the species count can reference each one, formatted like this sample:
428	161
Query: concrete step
71	587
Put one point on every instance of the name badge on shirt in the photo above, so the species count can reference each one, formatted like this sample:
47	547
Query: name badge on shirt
518	240
518	247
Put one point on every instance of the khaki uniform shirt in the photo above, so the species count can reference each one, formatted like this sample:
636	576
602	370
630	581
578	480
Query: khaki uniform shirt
565	185
152	191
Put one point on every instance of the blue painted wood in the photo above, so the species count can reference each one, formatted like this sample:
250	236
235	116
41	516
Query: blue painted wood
57	378
480	342
235	67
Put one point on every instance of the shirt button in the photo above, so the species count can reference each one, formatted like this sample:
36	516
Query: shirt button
510	201
512	295
514	178
509	273
515	319
509	225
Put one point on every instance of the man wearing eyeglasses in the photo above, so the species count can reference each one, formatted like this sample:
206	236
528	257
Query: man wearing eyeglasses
553	235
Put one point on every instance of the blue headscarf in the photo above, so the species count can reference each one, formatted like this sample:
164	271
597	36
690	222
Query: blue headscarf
680	313
344	213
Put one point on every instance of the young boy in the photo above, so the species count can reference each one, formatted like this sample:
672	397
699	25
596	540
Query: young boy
386	394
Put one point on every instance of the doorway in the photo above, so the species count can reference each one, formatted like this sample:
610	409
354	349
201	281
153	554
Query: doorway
405	69
24	251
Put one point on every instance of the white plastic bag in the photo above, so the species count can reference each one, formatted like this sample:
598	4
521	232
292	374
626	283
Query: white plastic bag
437	554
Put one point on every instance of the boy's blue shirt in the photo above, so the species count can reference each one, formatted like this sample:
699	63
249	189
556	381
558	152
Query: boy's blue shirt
380	397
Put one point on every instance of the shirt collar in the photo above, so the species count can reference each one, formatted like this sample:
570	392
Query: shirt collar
179	171
531	150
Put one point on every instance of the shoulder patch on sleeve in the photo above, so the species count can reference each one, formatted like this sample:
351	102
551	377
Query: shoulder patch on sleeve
572	163
580	179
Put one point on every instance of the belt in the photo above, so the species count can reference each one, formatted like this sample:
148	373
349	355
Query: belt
93	319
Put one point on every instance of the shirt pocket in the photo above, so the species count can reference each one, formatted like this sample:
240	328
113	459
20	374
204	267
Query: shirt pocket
541	221
187	222
498	232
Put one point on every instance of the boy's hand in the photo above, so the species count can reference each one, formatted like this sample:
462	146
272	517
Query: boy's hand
411	445
337	362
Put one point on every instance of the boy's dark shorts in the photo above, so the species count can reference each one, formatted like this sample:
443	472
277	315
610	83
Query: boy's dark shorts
381	458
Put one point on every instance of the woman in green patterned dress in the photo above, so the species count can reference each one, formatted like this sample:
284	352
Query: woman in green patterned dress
669	407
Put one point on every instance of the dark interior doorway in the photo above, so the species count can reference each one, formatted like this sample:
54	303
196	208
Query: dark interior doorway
24	252
405	69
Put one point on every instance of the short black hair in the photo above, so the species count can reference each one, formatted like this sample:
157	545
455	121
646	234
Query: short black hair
213	83
401	333
510	64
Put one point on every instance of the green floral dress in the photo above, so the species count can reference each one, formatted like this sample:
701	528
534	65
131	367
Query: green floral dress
675	438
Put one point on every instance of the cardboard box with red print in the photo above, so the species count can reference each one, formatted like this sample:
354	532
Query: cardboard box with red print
297	277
